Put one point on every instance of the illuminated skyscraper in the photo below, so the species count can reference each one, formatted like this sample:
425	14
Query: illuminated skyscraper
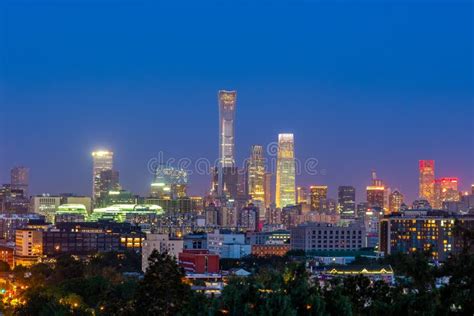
169	182
319	195
302	195
395	201
375	196
268	189
427	180
109	181
102	160
445	190
256	174
20	179
346	201
285	177
226	170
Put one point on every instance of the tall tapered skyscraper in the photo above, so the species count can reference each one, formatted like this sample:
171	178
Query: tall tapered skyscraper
226	170
285	177
256	174
103	160
427	180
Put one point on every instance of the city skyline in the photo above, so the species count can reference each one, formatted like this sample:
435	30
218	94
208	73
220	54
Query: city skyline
336	97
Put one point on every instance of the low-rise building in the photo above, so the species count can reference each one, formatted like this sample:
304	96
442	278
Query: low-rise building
91	237
325	236
227	244
161	243
28	246
270	250
374	273
275	237
9	223
199	262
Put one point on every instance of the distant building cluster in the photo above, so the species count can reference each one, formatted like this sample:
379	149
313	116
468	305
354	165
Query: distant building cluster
247	211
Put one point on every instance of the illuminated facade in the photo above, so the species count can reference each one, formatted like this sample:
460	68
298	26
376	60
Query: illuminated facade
91	238
108	181
422	231
20	179
46	205
302	195
102	160
446	190
28	246
285	177
346	201
427	180
268	189
325	236
126	212
319	195
395	201
169	182
256	174
227	103
375	196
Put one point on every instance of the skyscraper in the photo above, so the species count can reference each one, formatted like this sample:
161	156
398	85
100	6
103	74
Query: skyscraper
346	200
427	180
102	160
395	202
169	182
318	195
285	177
268	189
375	196
226	170
302	195
256	174
20	179
109	181
445	190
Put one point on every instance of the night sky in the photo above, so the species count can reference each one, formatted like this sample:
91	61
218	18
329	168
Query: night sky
362	84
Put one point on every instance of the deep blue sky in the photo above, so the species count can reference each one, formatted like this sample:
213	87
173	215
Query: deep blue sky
361	84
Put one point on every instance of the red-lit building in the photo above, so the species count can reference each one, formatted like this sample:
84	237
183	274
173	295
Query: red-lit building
446	190
199	261
427	180
6	254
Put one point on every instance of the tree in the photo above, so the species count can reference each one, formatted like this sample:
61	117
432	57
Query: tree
162	292
4	266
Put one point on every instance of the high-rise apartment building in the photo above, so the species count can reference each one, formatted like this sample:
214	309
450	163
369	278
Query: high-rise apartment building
346	200
226	170
103	160
256	174
319	195
20	179
427	180
285	177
